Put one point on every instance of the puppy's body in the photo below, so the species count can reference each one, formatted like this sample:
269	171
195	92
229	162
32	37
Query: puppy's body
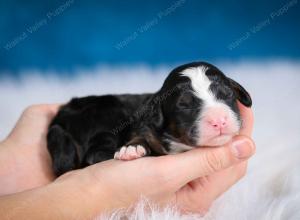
196	106
90	129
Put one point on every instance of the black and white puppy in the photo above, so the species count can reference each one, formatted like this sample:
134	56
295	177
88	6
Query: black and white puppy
196	106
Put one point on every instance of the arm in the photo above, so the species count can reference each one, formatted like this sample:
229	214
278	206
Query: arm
66	198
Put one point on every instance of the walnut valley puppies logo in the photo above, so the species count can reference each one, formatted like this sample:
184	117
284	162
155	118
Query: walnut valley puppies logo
150	24
262	24
31	29
145	109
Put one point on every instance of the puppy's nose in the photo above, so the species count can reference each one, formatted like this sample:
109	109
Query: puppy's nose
218	123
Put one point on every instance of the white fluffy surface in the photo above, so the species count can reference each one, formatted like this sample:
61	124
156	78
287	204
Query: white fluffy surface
271	189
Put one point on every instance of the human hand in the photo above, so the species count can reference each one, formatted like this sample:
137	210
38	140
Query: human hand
191	180
152	177
24	157
202	192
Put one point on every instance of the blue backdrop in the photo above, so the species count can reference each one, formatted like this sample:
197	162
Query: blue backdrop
63	35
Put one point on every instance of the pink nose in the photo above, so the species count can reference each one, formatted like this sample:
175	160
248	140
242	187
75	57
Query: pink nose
218	123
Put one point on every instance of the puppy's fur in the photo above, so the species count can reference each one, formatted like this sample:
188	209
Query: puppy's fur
196	106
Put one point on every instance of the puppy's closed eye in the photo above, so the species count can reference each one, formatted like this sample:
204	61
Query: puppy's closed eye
186	101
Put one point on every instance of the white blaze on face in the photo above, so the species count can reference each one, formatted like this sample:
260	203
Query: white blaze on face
217	123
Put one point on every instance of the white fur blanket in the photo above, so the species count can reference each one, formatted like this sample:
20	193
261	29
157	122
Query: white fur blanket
270	190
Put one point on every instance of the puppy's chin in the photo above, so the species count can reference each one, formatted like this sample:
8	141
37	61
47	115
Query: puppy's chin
217	141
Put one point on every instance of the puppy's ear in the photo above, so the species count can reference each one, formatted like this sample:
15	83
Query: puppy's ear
242	95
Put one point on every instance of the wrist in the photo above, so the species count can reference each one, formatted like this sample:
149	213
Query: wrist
54	201
22	168
8	183
81	195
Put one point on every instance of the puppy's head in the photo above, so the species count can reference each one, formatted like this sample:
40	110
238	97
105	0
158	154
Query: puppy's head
202	110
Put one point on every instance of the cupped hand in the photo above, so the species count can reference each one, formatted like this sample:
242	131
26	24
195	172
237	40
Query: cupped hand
201	192
190	180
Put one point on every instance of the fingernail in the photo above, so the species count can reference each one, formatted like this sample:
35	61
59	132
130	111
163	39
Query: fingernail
242	148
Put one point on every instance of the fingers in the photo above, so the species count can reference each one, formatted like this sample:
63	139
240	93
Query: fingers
220	182
34	118
51	107
42	109
204	190
45	113
247	120
193	164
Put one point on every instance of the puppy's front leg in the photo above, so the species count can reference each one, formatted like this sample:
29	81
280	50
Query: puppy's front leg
135	148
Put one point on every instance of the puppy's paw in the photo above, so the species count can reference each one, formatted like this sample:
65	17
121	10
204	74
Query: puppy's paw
130	152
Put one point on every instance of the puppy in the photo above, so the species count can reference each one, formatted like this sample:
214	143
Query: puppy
196	106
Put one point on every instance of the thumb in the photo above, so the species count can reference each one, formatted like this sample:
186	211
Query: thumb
204	161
